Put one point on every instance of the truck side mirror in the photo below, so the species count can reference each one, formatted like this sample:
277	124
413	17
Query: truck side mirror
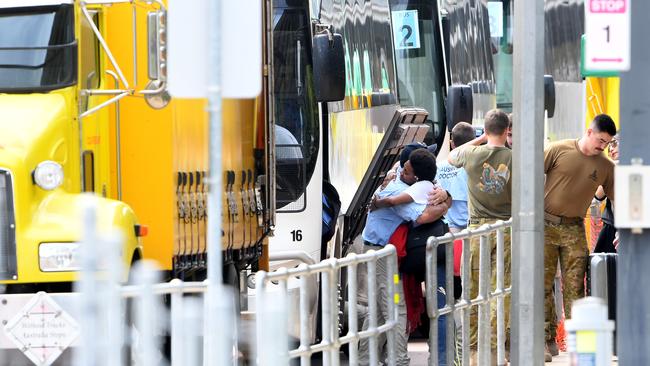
549	95
157	45
459	105
329	67
157	97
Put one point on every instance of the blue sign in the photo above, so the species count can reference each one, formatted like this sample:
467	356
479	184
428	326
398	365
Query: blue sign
406	33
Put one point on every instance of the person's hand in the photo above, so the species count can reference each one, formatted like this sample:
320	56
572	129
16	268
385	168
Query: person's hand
388	178
373	204
437	196
483	138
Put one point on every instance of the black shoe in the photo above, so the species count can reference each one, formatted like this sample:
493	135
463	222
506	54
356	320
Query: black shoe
552	347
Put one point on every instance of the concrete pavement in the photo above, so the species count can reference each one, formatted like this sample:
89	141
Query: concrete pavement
418	352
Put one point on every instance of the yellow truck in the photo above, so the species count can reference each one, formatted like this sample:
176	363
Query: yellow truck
85	112
84	108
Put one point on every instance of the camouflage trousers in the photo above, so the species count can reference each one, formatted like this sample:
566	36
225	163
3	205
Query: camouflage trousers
475	250
568	243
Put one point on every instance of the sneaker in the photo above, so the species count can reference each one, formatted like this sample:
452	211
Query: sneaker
552	347
547	355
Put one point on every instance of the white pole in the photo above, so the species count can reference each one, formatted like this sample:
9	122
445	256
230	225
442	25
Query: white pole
215	265
88	311
148	311
99	296
527	313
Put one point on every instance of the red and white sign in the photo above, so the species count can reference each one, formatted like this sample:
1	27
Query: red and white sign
42	330
607	35
608	6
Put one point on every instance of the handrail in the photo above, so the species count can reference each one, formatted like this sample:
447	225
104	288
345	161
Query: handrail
268	304
292	255
127	90
484	294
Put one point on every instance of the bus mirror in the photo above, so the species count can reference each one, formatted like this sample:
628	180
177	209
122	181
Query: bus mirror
157	45
459	105
329	67
549	95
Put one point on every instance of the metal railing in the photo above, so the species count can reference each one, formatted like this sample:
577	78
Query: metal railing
271	299
107	308
463	306
130	324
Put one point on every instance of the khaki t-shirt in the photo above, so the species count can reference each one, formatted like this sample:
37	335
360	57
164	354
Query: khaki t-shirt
488	178
572	178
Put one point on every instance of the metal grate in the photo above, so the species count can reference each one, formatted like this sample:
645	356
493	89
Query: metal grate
7	227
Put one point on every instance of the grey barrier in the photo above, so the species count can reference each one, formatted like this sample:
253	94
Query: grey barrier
103	311
463	306
272	293
126	324
104	316
184	323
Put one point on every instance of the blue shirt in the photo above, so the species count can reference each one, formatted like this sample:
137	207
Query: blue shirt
454	180
382	222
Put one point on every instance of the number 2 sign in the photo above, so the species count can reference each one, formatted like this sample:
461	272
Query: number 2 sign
607	35
406	33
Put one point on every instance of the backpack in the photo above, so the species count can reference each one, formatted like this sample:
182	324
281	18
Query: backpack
331	209
416	244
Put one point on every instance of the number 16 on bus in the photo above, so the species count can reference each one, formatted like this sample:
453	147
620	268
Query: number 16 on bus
607	35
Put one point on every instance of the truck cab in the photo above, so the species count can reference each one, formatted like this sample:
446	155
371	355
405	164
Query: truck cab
49	154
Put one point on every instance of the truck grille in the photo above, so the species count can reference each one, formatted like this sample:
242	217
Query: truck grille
7	228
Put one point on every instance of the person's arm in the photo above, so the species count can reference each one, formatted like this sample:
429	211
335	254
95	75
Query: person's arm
432	213
390	201
390	175
549	158
477	141
608	185
456	156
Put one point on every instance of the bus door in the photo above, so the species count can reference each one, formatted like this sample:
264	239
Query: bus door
296	132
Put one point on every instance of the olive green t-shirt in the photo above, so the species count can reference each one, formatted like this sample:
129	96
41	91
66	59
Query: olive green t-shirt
488	178
573	177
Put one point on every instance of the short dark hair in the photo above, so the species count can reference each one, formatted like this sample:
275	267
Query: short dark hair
462	133
424	164
510	121
496	122
604	123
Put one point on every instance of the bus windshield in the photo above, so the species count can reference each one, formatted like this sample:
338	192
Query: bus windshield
294	106
419	61
38	51
501	18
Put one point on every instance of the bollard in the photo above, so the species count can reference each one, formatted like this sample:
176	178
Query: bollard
99	299
589	330
272	320
148	311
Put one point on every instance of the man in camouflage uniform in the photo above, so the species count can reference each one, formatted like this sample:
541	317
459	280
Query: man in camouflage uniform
574	169
488	170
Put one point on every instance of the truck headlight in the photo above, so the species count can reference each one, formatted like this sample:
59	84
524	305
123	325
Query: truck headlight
59	257
48	175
